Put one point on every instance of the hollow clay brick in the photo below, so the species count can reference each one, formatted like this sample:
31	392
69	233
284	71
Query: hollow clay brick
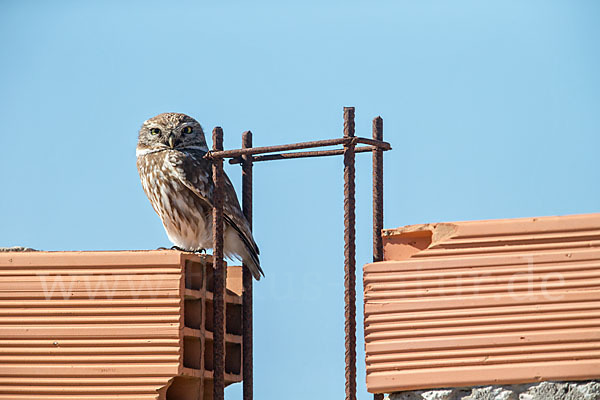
118	325
484	303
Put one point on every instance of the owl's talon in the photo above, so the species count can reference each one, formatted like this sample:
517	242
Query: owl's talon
178	248
201	251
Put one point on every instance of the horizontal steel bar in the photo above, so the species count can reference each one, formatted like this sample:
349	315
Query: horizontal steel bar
302	154
296	146
375	143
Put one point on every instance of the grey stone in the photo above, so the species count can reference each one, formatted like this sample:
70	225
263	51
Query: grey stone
15	249
562	391
588	390
491	393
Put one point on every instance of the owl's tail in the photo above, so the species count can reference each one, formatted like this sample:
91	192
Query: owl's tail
236	246
250	260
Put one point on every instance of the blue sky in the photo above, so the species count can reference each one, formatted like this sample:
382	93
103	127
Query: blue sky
492	109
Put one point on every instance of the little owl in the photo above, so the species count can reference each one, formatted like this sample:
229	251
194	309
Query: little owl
178	182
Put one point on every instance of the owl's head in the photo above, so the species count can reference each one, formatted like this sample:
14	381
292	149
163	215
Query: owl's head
171	131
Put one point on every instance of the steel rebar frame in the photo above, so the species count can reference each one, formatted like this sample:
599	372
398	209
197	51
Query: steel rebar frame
349	255
377	201
247	371
219	272
246	157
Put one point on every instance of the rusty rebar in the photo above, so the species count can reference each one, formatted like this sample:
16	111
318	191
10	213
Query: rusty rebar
377	201
374	142
302	154
247	371
245	157
219	273
272	149
377	191
295	146
349	256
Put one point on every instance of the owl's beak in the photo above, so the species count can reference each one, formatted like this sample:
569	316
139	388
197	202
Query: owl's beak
171	140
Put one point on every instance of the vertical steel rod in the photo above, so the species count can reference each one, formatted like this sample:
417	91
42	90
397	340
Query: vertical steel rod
349	257
377	192
219	273
247	371
377	201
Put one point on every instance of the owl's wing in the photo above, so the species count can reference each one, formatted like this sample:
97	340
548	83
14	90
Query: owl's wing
234	216
196	174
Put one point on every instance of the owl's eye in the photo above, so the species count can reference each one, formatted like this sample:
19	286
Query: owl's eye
155	131
186	130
